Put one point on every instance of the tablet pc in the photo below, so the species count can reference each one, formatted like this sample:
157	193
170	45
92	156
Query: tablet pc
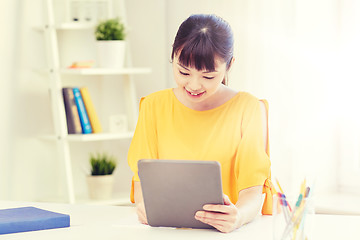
174	190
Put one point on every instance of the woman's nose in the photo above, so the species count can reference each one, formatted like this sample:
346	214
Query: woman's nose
194	84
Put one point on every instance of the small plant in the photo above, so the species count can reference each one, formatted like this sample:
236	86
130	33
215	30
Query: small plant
111	29
102	164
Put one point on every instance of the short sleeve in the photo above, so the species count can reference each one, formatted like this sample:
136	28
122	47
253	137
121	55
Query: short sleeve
144	141
252	166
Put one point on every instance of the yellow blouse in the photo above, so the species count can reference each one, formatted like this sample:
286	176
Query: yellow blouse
230	134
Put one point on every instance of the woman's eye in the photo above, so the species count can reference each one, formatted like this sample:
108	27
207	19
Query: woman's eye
184	73
208	77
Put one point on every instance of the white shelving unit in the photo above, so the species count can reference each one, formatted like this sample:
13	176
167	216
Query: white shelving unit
57	74
105	71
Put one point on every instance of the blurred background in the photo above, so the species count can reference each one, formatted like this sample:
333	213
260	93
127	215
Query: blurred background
300	55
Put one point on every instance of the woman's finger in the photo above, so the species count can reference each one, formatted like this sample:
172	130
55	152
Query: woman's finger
140	210
226	200
222	217
214	216
225	209
220	225
141	216
210	221
205	216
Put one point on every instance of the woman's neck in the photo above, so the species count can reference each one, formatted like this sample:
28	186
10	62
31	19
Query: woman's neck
221	96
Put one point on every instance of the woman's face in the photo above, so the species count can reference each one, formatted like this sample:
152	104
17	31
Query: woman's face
198	86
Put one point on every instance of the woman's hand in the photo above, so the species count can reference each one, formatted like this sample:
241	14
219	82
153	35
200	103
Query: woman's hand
140	206
224	218
140	211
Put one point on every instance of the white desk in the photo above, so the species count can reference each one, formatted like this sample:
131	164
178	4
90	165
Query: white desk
118	222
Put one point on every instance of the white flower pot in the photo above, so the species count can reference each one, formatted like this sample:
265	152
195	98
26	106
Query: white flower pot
111	54
100	187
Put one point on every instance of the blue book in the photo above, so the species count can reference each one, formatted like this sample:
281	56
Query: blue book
84	118
26	219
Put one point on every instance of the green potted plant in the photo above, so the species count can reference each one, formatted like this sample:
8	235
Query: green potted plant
110	37
101	179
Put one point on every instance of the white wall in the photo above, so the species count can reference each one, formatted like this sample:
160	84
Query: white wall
284	52
8	22
32	164
148	42
147	36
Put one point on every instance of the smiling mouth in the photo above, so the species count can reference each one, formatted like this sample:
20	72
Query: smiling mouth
195	94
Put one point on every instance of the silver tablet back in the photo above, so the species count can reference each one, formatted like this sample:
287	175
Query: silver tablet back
174	190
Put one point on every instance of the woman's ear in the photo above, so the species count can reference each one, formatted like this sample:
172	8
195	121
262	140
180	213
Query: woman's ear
231	63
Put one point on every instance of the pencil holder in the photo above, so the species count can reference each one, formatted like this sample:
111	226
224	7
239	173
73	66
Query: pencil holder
292	217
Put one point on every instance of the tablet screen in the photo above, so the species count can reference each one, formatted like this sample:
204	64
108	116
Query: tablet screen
174	190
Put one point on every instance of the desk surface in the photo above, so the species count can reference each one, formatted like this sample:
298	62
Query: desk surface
119	222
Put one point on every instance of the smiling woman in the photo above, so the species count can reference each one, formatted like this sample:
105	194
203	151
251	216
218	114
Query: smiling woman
203	119
201	89
202	55
210	39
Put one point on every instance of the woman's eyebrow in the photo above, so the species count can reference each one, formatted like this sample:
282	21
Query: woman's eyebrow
210	71
207	71
183	66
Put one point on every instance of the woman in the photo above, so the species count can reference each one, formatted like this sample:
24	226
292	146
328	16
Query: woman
203	119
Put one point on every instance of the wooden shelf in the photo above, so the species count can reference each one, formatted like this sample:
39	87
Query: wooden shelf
99	136
68	26
92	137
76	26
58	73
104	71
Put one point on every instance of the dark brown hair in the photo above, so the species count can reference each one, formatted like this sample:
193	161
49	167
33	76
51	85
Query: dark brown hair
200	39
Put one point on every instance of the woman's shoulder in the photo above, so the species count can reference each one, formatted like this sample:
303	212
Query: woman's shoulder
250	105
155	98
160	94
245	98
248	96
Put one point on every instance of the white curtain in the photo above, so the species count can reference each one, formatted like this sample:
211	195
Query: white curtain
303	57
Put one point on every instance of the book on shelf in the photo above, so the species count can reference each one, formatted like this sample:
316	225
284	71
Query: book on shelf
90	109
71	110
84	118
24	219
